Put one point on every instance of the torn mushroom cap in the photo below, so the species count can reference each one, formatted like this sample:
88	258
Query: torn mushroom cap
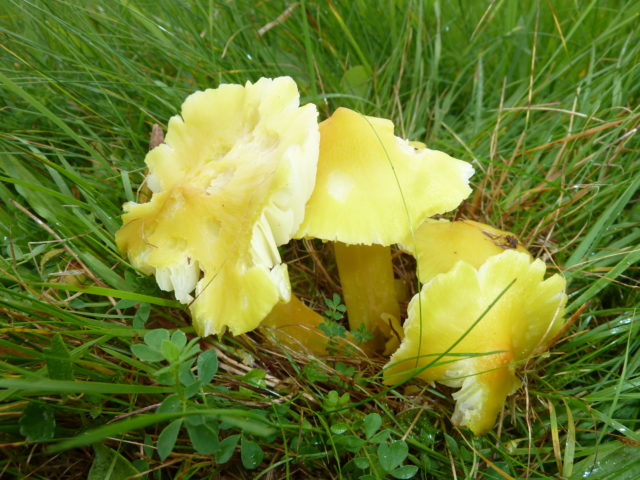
295	325
438	245
229	185
373	187
483	363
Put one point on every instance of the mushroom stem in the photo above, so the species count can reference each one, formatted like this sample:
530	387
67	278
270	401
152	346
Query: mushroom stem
369	291
296	325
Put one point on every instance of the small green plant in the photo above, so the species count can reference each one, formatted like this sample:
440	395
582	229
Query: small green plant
180	356
361	334
37	422
376	453
189	370
331	326
379	455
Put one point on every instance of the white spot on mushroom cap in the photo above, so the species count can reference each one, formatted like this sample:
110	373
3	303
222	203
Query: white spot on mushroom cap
339	185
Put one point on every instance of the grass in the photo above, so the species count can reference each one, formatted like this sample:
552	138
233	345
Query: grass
542	97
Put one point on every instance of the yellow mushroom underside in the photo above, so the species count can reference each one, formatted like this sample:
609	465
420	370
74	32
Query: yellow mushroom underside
483	363
229	185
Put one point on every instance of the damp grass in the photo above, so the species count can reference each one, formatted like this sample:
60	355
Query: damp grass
541	97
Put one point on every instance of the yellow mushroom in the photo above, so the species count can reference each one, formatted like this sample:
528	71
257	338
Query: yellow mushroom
229	186
438	245
372	189
296	325
447	338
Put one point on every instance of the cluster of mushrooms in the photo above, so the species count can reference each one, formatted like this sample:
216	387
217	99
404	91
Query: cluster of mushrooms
245	169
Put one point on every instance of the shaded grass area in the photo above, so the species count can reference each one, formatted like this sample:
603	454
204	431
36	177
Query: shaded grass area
542	99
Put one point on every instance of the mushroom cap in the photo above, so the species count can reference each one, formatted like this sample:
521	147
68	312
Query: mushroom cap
229	185
438	245
373	187
483	363
295	325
